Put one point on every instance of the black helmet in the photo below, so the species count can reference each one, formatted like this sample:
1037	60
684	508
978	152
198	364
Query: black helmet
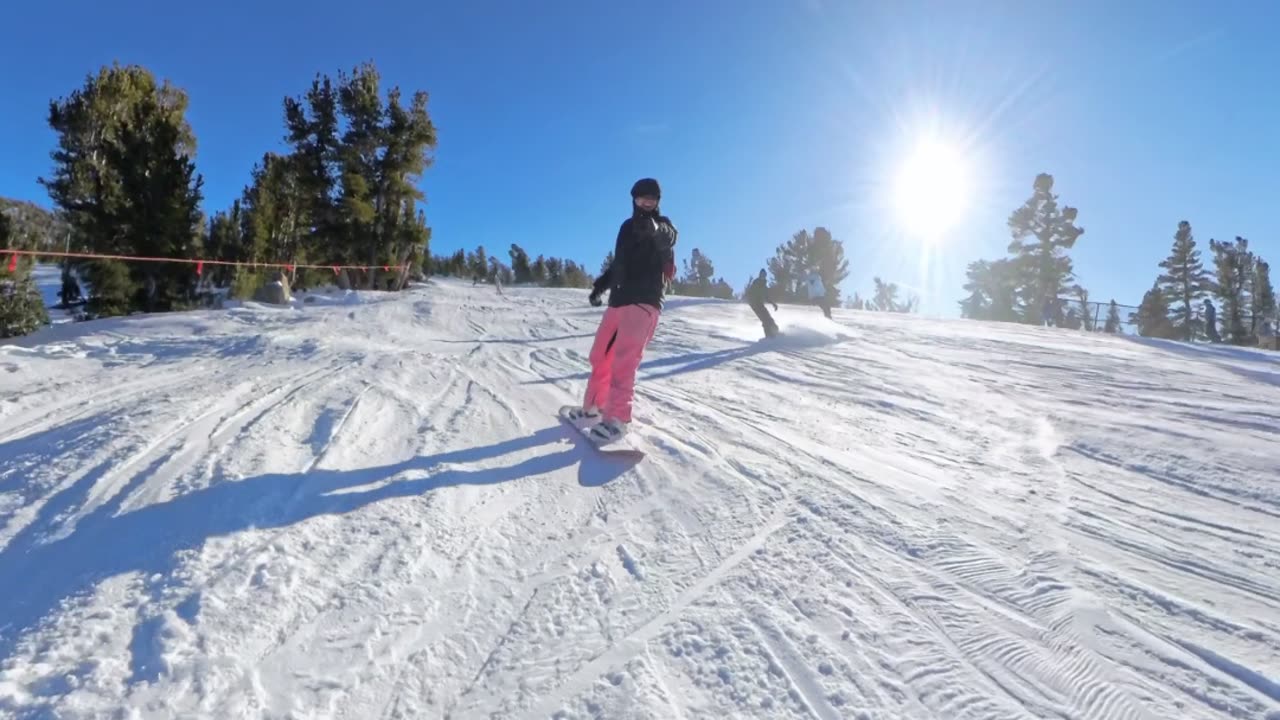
646	186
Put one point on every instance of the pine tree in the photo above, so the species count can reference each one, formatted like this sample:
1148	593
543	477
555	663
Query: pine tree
1235	269
1264	296
273	216
520	267
1152	317
722	290
604	266
886	296
22	310
554	272
124	178
499	271
311	125
357	160
407	139
575	275
1113	318
1042	235
538	271
226	241
826	255
804	252
359	191
478	263
698	274
1086	314
1185	280
992	289
785	272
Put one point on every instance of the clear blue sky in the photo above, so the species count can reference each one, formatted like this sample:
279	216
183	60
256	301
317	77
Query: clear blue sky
759	118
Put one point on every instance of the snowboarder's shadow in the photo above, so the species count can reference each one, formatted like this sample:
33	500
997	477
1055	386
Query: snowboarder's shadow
39	573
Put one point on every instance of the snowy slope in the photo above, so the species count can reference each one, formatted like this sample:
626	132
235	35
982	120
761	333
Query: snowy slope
367	509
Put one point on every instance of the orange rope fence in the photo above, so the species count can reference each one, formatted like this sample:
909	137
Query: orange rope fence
199	263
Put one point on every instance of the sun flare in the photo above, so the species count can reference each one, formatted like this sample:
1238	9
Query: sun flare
931	191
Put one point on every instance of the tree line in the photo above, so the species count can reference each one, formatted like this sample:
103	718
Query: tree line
788	270
1036	281
544	271
124	182
1240	281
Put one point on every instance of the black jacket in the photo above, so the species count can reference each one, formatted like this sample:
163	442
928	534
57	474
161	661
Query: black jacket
758	291
643	261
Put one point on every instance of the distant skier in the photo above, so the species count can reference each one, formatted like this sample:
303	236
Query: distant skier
1211	321
818	292
757	296
643	264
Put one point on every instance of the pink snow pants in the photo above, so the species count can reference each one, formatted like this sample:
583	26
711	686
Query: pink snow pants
620	341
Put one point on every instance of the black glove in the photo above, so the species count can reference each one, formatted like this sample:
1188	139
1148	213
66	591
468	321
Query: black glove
775	307
594	299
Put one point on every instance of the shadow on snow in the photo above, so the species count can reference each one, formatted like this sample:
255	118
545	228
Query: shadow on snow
40	574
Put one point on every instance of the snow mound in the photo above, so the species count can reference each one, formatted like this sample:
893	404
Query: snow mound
365	506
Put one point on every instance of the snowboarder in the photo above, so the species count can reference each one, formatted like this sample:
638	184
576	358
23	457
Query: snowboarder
818	292
643	264
1211	321
757	296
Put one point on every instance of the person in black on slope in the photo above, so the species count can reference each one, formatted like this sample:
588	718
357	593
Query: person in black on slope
757	296
643	264
1211	321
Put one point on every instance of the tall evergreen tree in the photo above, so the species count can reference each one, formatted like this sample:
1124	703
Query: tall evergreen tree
1263	294
274	213
992	288
1042	234
1184	280
604	266
803	253
408	139
357	165
478	263
826	255
1113	318
1086	313
457	264
886	296
311	125
1152	317
520	266
358	160
575	275
226	241
539	271
22	310
699	271
124	178
499	271
1234	263
554	272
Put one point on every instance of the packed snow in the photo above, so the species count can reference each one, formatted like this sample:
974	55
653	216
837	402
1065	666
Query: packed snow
367	508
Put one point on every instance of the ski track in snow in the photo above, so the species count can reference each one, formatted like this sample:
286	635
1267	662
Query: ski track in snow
368	509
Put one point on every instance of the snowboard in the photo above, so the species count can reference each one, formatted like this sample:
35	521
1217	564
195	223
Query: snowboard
624	446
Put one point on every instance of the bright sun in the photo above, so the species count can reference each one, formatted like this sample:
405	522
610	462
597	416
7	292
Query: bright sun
931	191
